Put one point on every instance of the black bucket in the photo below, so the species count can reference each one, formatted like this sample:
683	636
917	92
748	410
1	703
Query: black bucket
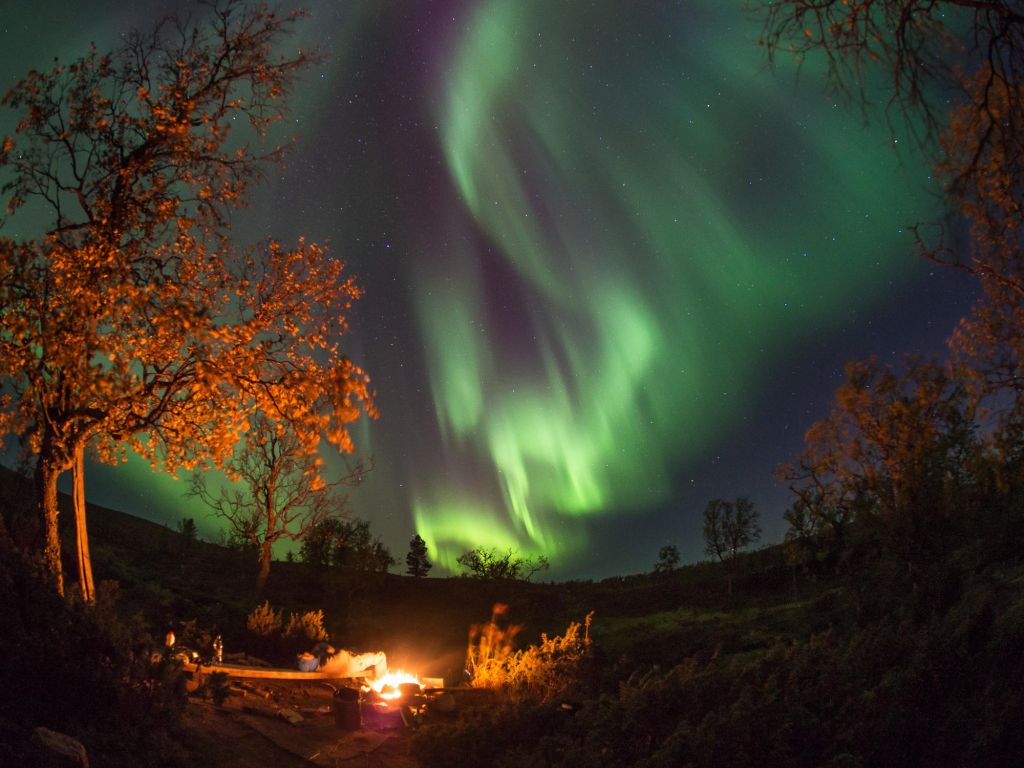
346	709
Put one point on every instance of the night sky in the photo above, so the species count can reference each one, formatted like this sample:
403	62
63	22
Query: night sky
613	265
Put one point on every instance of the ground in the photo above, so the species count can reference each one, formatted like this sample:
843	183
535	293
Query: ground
248	731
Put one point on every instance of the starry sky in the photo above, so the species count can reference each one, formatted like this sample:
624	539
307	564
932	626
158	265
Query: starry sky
613	264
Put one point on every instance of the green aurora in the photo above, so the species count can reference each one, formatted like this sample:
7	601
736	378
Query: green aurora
592	237
669	255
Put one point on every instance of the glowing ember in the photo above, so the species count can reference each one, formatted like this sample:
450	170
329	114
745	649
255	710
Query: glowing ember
387	686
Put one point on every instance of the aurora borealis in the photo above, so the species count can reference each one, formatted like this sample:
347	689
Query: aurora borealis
612	264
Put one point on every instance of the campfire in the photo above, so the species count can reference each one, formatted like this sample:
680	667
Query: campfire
398	697
395	685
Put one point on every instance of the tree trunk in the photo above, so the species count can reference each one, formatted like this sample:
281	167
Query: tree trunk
47	472
81	532
266	554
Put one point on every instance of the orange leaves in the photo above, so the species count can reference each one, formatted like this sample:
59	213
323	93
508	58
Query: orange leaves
894	435
134	323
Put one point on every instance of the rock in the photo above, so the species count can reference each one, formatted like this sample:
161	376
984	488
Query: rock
290	715
59	750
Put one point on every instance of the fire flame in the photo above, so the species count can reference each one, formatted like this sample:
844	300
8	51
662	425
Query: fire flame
387	686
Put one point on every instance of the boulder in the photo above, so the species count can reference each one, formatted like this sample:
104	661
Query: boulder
290	716
58	750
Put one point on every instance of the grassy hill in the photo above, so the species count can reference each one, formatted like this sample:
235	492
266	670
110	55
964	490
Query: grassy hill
424	622
643	619
865	665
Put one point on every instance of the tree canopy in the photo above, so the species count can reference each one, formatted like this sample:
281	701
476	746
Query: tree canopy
132	322
347	544
485	563
417	563
950	71
278	493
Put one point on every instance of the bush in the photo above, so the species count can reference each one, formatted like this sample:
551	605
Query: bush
264	621
483	563
942	691
83	670
543	672
275	640
307	626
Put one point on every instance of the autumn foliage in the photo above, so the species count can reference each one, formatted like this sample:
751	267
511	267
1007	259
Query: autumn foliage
540	672
921	451
131	322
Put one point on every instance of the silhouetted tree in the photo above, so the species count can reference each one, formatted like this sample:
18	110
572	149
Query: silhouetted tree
189	532
355	548
416	561
742	528
317	546
132	324
346	543
282	494
484	563
730	527
668	559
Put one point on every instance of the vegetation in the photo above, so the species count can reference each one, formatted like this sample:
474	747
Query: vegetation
484	563
264	621
283	495
187	528
898	646
83	670
133	323
275	640
542	672
673	663
416	561
895	693
668	559
308	626
729	528
346	545
907	494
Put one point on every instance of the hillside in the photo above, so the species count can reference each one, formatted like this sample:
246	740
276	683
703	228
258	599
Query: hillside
857	664
424	622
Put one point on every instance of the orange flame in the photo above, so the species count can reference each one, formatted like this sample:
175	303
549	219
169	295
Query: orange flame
387	686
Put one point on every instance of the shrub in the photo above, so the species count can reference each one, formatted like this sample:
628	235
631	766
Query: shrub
540	673
264	621
308	626
80	669
273	639
483	563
